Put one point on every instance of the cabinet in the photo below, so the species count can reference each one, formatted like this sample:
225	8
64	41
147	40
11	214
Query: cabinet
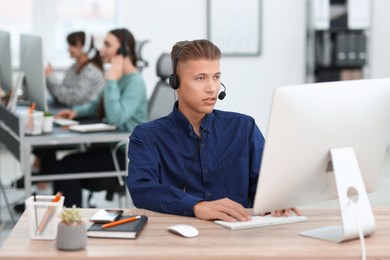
338	40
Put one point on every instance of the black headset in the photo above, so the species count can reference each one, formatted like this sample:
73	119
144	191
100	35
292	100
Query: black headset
122	50
174	80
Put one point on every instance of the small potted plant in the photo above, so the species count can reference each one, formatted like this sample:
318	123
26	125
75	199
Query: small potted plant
72	231
47	126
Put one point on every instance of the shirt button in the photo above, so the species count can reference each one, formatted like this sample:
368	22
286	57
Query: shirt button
202	145
206	170
208	194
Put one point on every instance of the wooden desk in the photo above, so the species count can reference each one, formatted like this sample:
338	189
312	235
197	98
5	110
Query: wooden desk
214	242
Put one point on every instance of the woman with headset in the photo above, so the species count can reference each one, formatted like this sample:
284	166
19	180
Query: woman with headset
84	80
122	103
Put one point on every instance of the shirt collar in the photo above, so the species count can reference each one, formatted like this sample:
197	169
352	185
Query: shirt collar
186	125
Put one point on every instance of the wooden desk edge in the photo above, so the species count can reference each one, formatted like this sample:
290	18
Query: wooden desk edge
174	247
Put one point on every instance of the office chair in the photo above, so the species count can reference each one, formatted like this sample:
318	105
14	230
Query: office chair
162	98
141	62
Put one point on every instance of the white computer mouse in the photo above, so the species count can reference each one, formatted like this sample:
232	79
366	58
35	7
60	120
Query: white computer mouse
184	230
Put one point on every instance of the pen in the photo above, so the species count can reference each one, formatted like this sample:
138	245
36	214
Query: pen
48	214
119	222
35	210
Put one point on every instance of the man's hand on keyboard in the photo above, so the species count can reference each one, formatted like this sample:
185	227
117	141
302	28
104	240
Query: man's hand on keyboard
223	209
283	212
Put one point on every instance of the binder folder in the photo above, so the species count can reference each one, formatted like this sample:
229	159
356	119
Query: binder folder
361	49
340	50
351	50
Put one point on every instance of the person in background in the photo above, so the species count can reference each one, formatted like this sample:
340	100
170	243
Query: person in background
84	80
196	161
122	103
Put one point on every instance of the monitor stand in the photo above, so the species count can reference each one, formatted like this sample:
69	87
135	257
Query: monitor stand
353	214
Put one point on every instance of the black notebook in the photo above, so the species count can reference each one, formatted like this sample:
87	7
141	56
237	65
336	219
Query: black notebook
126	230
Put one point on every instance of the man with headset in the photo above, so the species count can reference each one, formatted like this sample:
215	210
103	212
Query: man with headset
196	161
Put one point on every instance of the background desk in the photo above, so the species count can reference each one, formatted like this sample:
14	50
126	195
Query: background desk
20	145
61	137
213	242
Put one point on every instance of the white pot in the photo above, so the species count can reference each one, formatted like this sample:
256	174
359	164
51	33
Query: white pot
71	237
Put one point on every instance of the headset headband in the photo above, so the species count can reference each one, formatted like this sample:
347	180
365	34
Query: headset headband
176	59
87	48
87	42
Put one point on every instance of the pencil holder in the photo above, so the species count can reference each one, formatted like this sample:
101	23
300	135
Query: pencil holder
42	216
33	122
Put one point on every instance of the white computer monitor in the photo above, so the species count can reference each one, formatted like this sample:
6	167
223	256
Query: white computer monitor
31	64
5	61
325	140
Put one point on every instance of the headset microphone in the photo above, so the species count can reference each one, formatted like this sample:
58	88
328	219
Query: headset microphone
222	95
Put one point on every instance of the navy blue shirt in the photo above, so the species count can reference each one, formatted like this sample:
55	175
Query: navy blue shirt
171	168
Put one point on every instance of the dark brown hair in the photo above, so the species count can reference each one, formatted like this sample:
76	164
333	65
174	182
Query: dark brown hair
79	38
124	35
194	50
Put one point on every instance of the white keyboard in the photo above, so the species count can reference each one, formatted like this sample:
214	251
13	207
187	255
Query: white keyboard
65	122
261	221
92	128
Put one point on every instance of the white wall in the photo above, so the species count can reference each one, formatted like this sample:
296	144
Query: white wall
250	81
380	44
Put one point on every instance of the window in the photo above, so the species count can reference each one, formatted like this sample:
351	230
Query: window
55	19
96	17
16	17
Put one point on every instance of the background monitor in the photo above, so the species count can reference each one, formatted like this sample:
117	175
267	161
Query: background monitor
5	61
306	123
31	64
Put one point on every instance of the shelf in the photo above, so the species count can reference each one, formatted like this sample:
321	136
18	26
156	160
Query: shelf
334	49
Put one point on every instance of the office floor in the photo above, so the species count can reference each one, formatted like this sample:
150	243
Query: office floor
9	171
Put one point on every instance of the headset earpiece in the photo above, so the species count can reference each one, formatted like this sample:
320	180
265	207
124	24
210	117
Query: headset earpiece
92	53
88	47
87	43
174	81
122	50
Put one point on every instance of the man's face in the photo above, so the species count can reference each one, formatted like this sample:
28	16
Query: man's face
199	86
